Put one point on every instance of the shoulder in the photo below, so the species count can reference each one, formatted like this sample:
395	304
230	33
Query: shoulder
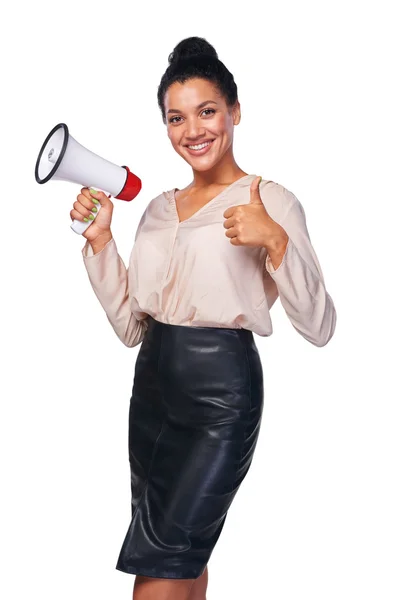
159	201
278	199
156	208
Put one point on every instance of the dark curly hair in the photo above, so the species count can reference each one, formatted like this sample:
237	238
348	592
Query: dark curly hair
195	57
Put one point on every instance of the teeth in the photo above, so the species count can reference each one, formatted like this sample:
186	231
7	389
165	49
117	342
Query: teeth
200	146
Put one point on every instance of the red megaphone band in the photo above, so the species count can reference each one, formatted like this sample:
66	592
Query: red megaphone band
132	186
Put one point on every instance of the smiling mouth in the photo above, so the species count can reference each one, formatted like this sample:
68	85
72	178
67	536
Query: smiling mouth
199	146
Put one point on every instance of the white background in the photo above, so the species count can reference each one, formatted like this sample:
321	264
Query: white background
318	515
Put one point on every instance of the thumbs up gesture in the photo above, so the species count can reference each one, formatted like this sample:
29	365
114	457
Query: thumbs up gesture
251	225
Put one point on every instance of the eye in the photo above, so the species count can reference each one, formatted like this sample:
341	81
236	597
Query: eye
171	120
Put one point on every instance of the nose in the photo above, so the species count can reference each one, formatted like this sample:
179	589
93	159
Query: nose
193	129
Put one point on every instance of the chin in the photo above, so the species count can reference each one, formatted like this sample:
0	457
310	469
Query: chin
198	165
200	168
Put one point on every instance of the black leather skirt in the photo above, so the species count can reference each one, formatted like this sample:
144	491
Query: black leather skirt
194	420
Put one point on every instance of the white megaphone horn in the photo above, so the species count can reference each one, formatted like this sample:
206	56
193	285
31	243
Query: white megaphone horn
62	157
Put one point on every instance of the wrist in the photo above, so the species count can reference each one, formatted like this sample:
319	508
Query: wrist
105	235
276	249
100	241
277	243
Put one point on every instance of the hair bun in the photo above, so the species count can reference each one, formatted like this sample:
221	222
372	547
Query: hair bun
190	47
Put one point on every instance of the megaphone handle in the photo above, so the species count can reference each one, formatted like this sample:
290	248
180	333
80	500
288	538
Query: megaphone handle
81	226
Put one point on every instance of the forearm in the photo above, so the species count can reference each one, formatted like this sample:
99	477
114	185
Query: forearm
109	279
303	296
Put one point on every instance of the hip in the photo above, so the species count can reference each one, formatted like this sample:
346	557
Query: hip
203	372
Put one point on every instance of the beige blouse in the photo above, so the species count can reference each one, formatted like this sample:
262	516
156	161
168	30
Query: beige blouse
188	273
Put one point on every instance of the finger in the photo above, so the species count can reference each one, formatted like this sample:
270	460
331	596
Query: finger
229	223
85	201
91	194
98	195
82	209
85	192
255	197
232	232
235	241
75	214
229	212
255	190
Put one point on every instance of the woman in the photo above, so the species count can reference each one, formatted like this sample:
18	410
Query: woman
207	264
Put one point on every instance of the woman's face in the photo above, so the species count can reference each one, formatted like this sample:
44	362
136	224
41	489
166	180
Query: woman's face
196	113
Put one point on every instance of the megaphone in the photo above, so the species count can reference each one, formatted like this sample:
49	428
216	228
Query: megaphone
62	157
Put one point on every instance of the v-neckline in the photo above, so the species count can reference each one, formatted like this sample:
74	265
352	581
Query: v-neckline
221	193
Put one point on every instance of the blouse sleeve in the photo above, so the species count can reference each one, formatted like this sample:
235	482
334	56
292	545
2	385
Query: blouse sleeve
300	281
110	281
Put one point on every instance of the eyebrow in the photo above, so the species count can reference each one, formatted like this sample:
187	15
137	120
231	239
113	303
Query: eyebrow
171	110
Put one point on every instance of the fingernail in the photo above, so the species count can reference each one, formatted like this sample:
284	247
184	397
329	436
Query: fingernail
91	217
92	191
85	219
95	201
94	209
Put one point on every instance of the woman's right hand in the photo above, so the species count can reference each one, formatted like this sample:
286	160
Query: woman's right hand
83	208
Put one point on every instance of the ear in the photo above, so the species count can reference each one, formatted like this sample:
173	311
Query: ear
236	113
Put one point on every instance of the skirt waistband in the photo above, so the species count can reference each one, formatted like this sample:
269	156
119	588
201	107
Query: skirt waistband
245	333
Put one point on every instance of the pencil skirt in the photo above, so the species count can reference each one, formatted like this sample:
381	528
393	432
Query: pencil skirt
194	419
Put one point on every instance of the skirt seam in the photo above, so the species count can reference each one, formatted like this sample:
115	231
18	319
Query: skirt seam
249	393
249	410
249	374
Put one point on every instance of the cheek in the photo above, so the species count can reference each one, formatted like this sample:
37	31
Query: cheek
220	125
173	138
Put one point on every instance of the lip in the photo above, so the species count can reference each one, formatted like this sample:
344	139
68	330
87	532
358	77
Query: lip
202	151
